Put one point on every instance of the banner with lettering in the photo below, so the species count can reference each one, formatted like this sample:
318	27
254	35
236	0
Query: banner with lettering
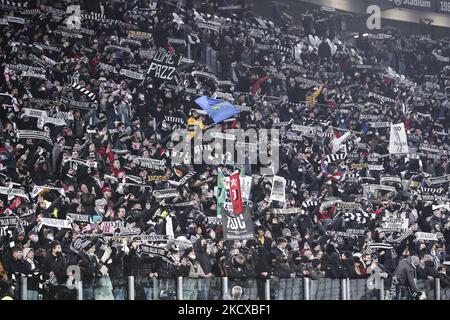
237	227
278	189
235	193
164	66
155	251
398	144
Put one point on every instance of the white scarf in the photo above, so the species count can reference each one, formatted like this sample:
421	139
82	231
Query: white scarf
31	262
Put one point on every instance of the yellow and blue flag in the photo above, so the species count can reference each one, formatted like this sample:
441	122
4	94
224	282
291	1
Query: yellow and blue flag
218	110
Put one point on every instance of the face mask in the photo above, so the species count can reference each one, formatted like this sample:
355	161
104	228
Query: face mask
192	257
50	238
34	239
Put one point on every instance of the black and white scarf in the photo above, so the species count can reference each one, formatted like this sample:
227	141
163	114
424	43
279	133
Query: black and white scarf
381	98
353	177
359	217
425	190
310	204
334	158
372	247
18	5
73	82
98	17
34	134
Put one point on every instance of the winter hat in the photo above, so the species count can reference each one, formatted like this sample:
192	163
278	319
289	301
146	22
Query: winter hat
240	259
90	244
348	254
16	249
100	202
415	261
32	232
26	251
315	263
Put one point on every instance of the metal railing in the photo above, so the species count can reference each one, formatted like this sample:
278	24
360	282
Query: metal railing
183	288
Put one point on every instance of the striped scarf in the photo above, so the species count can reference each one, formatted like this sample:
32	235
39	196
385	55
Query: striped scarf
404	236
372	247
358	217
334	157
381	98
310	204
31	11
434	191
353	177
305	166
34	134
98	17
18	5
73	82
329	133
285	49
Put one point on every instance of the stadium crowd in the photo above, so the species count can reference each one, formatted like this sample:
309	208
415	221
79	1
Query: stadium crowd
86	156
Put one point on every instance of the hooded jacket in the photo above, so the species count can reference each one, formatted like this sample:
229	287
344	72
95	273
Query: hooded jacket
406	273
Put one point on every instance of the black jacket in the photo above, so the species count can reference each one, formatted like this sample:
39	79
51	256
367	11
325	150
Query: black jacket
12	265
264	264
90	268
338	271
203	257
140	267
349	267
168	270
57	265
236	270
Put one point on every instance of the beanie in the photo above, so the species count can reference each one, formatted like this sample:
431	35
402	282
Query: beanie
315	263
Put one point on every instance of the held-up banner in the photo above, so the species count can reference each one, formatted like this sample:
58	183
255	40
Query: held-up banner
288	211
58	223
156	252
84	218
246	185
8	222
215	220
110	227
398	143
238	227
14	192
426	236
396	223
166	193
235	193
278	189
164	65
438	180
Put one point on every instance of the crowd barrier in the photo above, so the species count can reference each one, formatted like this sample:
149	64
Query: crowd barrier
218	288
